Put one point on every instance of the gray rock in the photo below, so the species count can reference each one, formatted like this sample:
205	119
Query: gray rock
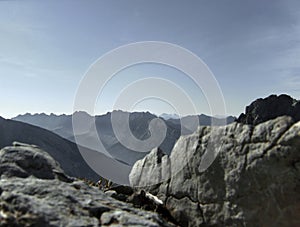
124	218
22	160
253	181
34	192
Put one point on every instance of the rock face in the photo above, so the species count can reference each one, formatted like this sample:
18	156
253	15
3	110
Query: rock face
34	191
253	181
269	108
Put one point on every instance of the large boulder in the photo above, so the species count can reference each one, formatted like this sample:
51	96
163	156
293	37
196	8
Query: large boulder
34	191
262	110
254	179
23	160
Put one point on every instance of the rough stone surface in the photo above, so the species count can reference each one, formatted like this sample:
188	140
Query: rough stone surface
254	180
34	191
262	110
22	160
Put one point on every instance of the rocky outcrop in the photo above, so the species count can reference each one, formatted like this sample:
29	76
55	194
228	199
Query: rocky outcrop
22	160
254	178
66	153
34	191
262	110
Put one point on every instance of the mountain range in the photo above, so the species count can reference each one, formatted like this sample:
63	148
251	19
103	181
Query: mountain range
138	123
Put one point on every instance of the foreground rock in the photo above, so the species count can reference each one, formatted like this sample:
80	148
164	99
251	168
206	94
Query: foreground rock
254	180
262	110
34	191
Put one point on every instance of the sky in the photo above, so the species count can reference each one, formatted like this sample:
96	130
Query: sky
252	47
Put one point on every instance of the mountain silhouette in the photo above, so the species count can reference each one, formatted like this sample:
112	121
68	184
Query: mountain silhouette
138	123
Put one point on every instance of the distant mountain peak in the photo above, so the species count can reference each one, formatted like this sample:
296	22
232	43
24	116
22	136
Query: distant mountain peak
83	113
169	116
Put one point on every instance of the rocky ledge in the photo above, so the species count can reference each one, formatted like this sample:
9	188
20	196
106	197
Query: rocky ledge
34	191
254	178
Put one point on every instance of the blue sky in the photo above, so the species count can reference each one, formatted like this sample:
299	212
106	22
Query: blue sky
46	47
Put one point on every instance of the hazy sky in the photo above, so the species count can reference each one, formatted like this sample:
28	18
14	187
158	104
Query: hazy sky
252	47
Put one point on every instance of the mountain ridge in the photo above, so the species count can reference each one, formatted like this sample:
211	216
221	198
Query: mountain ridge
138	124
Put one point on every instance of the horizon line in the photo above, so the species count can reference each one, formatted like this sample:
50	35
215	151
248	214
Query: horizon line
108	112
